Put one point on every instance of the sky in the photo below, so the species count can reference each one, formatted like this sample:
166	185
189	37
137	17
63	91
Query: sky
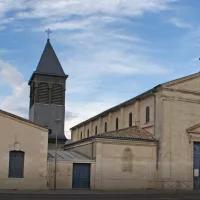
112	50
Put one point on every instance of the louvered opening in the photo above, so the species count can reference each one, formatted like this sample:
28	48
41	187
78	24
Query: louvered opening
43	93
32	95
57	95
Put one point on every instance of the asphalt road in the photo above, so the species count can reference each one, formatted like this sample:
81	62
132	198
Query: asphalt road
191	196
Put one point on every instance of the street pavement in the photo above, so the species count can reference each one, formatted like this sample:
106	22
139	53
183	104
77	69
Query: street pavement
92	195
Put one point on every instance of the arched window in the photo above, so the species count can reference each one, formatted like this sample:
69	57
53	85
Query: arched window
95	130
105	127
16	164
43	93
81	135
88	133
57	94
117	123
130	119
127	160
147	114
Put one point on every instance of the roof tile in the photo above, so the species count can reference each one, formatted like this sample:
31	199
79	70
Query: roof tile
134	132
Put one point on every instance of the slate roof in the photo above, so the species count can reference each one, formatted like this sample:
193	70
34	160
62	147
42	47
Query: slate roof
21	118
134	132
49	63
66	156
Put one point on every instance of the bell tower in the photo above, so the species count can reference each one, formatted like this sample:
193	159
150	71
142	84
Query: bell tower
47	95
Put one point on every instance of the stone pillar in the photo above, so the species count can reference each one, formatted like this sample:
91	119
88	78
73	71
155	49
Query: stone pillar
137	112
99	130
83	131
76	134
109	124
91	129
121	123
98	171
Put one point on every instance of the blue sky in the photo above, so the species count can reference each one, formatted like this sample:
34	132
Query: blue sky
112	50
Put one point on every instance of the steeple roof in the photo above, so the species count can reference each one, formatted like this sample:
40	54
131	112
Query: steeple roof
49	63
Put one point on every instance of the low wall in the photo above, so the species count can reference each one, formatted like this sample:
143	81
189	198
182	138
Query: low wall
65	174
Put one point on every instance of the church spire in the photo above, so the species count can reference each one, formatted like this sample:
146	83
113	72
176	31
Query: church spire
49	63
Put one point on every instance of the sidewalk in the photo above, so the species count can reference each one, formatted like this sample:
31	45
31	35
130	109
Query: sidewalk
92	192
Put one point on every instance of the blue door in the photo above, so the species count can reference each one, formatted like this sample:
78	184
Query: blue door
81	175
196	165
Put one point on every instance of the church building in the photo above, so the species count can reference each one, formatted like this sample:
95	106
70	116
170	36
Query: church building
151	141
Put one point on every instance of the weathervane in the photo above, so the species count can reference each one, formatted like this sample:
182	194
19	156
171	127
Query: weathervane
48	31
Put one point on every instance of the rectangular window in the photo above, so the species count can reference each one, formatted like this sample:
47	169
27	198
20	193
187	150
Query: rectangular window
88	133
105	127
117	125
96	130
130	119
16	164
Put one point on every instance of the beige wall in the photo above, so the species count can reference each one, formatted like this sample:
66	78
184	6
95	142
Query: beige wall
179	113
34	142
109	163
65	174
138	110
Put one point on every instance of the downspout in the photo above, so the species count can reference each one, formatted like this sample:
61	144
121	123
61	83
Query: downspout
154	126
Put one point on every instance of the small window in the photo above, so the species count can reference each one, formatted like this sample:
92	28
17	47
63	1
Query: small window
81	135
147	114
16	164
117	123
96	130
88	133
105	127
130	119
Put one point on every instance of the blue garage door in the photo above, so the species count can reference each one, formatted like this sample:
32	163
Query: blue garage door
196	166
81	175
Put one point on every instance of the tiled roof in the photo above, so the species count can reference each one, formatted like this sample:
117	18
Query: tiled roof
134	132
20	118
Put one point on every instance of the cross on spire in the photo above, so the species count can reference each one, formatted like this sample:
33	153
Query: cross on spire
48	31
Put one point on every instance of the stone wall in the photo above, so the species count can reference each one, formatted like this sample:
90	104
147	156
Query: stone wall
112	172
34	142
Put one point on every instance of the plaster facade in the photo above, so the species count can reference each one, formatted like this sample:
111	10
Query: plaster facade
31	139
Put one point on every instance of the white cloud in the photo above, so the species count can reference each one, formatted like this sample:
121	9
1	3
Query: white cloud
51	8
60	11
20	91
179	23
97	50
195	59
4	51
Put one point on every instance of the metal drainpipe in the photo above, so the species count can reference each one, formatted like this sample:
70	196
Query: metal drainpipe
154	126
